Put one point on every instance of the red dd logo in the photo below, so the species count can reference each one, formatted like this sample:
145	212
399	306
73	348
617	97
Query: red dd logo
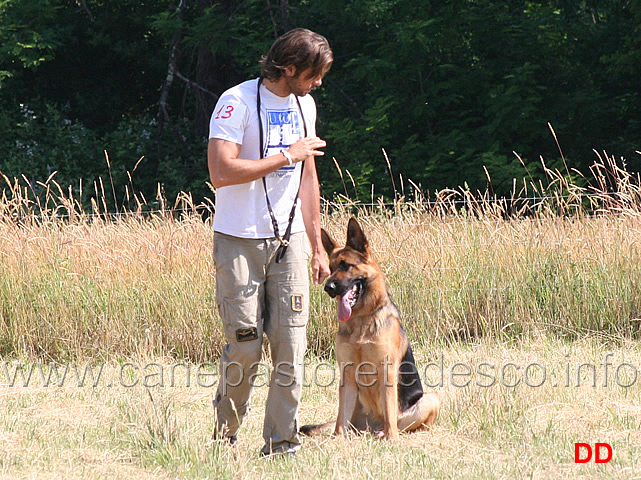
583	452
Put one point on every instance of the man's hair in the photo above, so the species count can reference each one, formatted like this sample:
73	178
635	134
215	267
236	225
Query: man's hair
301	48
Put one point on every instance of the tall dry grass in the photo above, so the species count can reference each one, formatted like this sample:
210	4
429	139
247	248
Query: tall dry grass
77	284
560	258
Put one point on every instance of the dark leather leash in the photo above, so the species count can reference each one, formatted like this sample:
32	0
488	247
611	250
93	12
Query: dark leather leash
284	240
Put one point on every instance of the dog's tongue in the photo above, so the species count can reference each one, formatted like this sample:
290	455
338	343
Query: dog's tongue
345	304
344	307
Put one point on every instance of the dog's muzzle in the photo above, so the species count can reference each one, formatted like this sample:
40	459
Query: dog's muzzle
331	288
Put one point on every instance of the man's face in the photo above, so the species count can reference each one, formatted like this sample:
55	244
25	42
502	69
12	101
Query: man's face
302	83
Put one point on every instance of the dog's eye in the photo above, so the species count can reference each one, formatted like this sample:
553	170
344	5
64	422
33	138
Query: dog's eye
344	266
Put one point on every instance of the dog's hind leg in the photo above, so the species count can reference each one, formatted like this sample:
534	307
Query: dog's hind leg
420	415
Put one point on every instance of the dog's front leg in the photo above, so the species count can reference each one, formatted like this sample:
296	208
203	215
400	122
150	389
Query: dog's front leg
389	394
347	397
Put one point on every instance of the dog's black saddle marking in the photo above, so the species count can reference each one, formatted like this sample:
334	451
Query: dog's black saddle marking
410	389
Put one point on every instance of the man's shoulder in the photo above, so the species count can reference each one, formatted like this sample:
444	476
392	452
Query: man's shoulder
233	112
244	92
307	99
308	105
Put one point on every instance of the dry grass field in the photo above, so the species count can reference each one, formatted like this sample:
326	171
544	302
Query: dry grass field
120	428
524	316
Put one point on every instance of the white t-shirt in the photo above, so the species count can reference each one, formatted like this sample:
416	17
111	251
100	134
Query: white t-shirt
241	210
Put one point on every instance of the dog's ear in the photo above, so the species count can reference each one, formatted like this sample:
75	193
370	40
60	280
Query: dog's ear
328	242
356	239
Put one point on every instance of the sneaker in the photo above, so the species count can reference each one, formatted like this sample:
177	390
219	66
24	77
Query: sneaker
281	454
284	450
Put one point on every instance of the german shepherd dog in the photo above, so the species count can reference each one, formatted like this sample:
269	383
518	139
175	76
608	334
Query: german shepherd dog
380	389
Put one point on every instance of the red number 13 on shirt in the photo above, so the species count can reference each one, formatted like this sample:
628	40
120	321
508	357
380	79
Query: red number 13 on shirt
224	112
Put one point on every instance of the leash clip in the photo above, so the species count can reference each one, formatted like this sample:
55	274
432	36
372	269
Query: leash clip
283	241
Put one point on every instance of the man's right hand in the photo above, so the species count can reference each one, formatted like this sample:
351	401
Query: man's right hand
305	148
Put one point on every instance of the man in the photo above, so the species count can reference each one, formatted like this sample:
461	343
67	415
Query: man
261	159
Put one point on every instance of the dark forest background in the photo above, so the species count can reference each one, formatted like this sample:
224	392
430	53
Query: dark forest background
449	89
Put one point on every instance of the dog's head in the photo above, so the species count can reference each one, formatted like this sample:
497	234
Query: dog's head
353	270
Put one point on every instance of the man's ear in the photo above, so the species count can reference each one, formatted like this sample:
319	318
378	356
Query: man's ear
328	242
290	71
356	239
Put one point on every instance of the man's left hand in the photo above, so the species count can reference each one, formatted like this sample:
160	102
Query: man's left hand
320	268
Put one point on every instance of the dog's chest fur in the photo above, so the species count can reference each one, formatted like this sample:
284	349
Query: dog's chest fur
364	344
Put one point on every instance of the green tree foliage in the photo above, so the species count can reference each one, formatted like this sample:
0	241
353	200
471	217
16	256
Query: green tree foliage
448	89
29	35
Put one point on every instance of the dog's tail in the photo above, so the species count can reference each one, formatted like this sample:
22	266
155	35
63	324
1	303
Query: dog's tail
421	415
313	430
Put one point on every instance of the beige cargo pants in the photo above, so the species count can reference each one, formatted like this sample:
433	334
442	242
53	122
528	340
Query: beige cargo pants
256	295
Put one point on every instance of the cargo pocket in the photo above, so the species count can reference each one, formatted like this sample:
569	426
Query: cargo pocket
239	318
307	249
293	305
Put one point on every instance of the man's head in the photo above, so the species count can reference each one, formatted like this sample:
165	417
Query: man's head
299	48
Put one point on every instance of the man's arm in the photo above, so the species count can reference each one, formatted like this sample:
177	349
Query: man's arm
225	168
310	207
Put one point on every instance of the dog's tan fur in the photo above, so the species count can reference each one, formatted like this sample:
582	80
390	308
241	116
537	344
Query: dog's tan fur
371	347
